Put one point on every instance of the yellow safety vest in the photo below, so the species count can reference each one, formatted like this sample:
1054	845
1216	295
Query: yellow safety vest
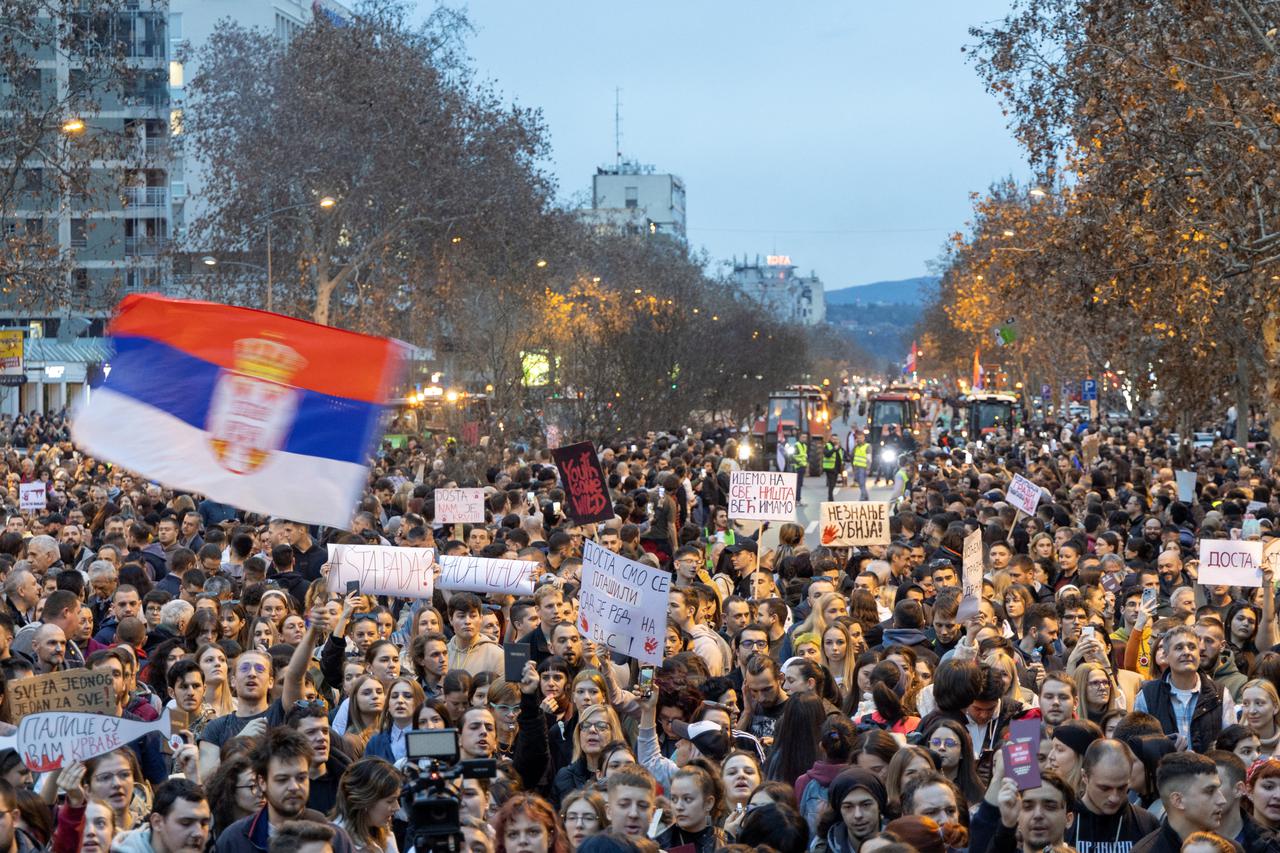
861	453
830	452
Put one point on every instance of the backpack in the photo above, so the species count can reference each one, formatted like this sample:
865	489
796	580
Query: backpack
812	799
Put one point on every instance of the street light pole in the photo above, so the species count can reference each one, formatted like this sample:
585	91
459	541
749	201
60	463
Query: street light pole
269	288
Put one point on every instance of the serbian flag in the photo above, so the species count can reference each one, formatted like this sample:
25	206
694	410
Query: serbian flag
267	413
978	372
911	358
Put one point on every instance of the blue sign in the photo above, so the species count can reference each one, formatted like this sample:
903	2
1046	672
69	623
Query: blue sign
1089	390
1046	391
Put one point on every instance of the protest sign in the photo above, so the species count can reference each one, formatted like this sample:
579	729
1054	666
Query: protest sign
1230	562
32	496
762	495
1271	556
585	487
479	574
1022	765
382	570
623	604
848	523
459	506
67	690
1186	485
47	740
1023	495
972	581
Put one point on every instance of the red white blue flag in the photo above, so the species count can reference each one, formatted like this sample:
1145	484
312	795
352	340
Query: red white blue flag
268	413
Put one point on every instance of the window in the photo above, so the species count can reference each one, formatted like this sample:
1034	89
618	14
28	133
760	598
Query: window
176	74
80	277
175	25
79	234
175	122
33	180
632	196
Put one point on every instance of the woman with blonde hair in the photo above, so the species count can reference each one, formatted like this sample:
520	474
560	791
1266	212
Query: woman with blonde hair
1260	711
1096	692
837	655
1041	547
598	726
1002	662
364	712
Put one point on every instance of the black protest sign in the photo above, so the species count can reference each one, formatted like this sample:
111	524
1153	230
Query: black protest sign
584	483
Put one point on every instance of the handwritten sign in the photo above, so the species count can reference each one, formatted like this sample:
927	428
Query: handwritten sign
762	495
972	580
845	524
32	496
383	570
623	604
1186	485
1228	562
478	574
48	740
459	506
584	483
67	690
1023	494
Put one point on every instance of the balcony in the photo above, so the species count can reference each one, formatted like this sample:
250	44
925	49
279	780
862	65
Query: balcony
145	246
146	196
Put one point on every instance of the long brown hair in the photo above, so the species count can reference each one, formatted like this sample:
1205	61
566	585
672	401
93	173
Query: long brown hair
537	809
364	784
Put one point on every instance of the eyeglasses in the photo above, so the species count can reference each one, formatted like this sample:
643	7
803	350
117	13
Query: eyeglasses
753	644
581	818
506	709
119	776
944	742
249	666
252	786
309	704
595	727
364	617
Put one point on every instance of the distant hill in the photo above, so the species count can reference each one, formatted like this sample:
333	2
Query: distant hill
907	291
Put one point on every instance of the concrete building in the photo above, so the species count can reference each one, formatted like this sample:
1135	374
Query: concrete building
120	237
775	285
636	199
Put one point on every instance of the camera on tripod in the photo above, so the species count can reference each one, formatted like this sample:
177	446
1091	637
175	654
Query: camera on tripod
431	805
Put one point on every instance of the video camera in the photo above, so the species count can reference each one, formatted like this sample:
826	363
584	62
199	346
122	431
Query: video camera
431	805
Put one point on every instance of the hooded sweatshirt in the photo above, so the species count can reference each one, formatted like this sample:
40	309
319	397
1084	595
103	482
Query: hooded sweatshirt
913	637
712	648
1097	833
484	656
823	773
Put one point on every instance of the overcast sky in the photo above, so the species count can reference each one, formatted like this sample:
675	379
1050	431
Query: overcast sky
846	134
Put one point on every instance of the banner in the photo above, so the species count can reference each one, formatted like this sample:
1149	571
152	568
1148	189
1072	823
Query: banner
1186	485
1023	494
67	690
586	489
973	565
382	570
845	524
11	350
1230	562
459	506
32	496
47	740
623	604
479	574
762	495
275	415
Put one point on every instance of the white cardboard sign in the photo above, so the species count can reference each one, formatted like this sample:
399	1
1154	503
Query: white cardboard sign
47	740
479	574
383	570
846	524
459	506
1023	494
1186	485
1230	562
762	495
32	496
623	604
973	563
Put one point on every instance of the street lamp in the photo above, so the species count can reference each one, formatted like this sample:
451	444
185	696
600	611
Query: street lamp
1009	232
73	125
1038	192
327	202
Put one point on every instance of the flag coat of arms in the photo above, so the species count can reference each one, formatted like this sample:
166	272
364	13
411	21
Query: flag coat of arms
267	413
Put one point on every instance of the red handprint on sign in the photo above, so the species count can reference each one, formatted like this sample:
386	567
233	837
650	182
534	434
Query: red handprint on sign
829	534
651	645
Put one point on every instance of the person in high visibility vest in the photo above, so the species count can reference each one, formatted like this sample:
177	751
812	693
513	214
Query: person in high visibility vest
859	461
800	464
832	463
902	479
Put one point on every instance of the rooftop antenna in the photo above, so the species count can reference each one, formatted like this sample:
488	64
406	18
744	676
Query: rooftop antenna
617	127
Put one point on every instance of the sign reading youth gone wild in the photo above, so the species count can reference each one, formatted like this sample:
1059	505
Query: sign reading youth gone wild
762	495
845	524
586	489
382	570
1230	562
623	604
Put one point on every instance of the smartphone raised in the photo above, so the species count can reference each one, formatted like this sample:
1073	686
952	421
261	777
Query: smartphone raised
645	681
515	656
1148	597
353	586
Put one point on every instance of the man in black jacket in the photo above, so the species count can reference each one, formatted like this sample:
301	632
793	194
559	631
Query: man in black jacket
1185	701
1193	801
1105	820
1236	823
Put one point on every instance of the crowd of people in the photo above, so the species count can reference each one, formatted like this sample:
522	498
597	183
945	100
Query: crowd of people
809	698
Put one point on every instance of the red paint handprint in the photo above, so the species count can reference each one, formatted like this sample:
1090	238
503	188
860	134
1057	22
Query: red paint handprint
829	534
651	645
583	622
